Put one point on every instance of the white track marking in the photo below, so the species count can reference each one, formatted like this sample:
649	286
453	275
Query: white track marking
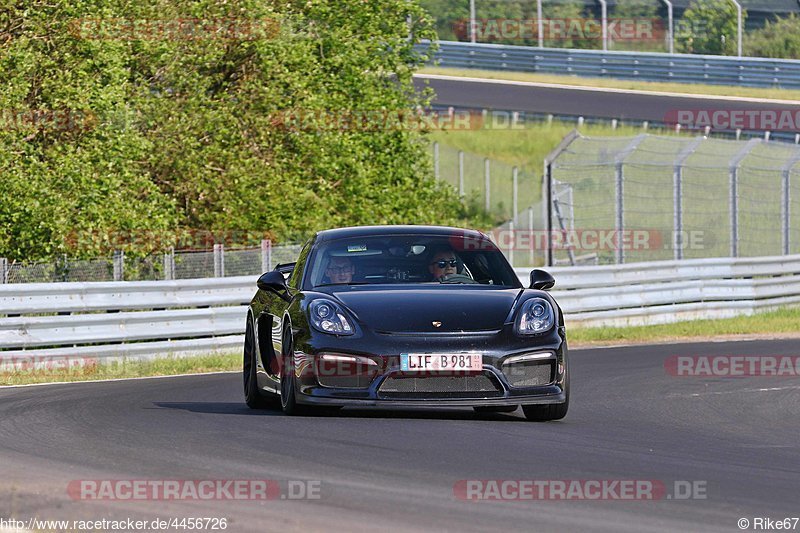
117	379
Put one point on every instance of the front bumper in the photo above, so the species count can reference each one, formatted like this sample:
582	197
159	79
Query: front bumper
496	348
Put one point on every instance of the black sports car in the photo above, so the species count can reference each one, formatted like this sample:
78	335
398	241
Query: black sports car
405	316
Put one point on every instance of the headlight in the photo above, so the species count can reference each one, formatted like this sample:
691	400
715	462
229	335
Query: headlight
536	316
328	317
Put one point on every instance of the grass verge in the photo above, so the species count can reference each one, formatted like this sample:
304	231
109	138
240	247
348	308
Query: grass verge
670	87
782	322
524	148
26	372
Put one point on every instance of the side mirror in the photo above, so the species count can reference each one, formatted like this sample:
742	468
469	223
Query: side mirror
272	281
541	280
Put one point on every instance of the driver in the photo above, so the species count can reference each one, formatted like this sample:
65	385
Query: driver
442	263
340	270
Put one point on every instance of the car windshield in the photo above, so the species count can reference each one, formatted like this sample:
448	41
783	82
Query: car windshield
454	260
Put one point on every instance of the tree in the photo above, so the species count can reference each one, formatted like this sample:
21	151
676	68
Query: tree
708	27
190	130
778	39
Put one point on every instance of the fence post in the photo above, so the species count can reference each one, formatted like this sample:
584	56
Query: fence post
487	183
677	189
547	205
219	260
3	270
512	243
547	194
119	265
540	23
531	236
786	199
619	219
266	255
461	174
169	264
619	175
786	211
734	193
436	160
514	192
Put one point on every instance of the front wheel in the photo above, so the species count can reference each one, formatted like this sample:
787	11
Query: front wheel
543	413
553	411
289	403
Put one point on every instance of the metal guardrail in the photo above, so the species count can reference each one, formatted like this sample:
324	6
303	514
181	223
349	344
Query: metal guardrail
213	317
670	291
122	319
645	66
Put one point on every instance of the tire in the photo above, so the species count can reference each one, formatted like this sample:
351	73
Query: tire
553	411
289	403
252	395
484	409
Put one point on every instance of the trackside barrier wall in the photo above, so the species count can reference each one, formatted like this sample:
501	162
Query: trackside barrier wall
661	292
684	68
143	319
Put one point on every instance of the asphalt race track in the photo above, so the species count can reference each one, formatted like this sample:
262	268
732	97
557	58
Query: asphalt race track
379	469
586	101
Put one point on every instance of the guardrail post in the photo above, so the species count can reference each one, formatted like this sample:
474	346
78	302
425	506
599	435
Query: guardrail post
3	270
169	264
119	265
266	255
219	260
487	183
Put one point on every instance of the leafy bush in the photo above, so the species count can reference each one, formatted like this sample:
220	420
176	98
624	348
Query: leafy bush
779	39
708	27
185	132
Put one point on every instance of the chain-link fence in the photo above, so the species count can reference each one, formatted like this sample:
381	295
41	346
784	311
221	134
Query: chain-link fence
497	188
218	262
653	197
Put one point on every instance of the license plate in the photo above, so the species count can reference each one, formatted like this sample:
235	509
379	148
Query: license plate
426	362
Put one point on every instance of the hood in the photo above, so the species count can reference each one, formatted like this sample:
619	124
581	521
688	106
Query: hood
415	310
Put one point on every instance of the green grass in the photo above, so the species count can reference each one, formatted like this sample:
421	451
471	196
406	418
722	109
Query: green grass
687	88
781	322
89	369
